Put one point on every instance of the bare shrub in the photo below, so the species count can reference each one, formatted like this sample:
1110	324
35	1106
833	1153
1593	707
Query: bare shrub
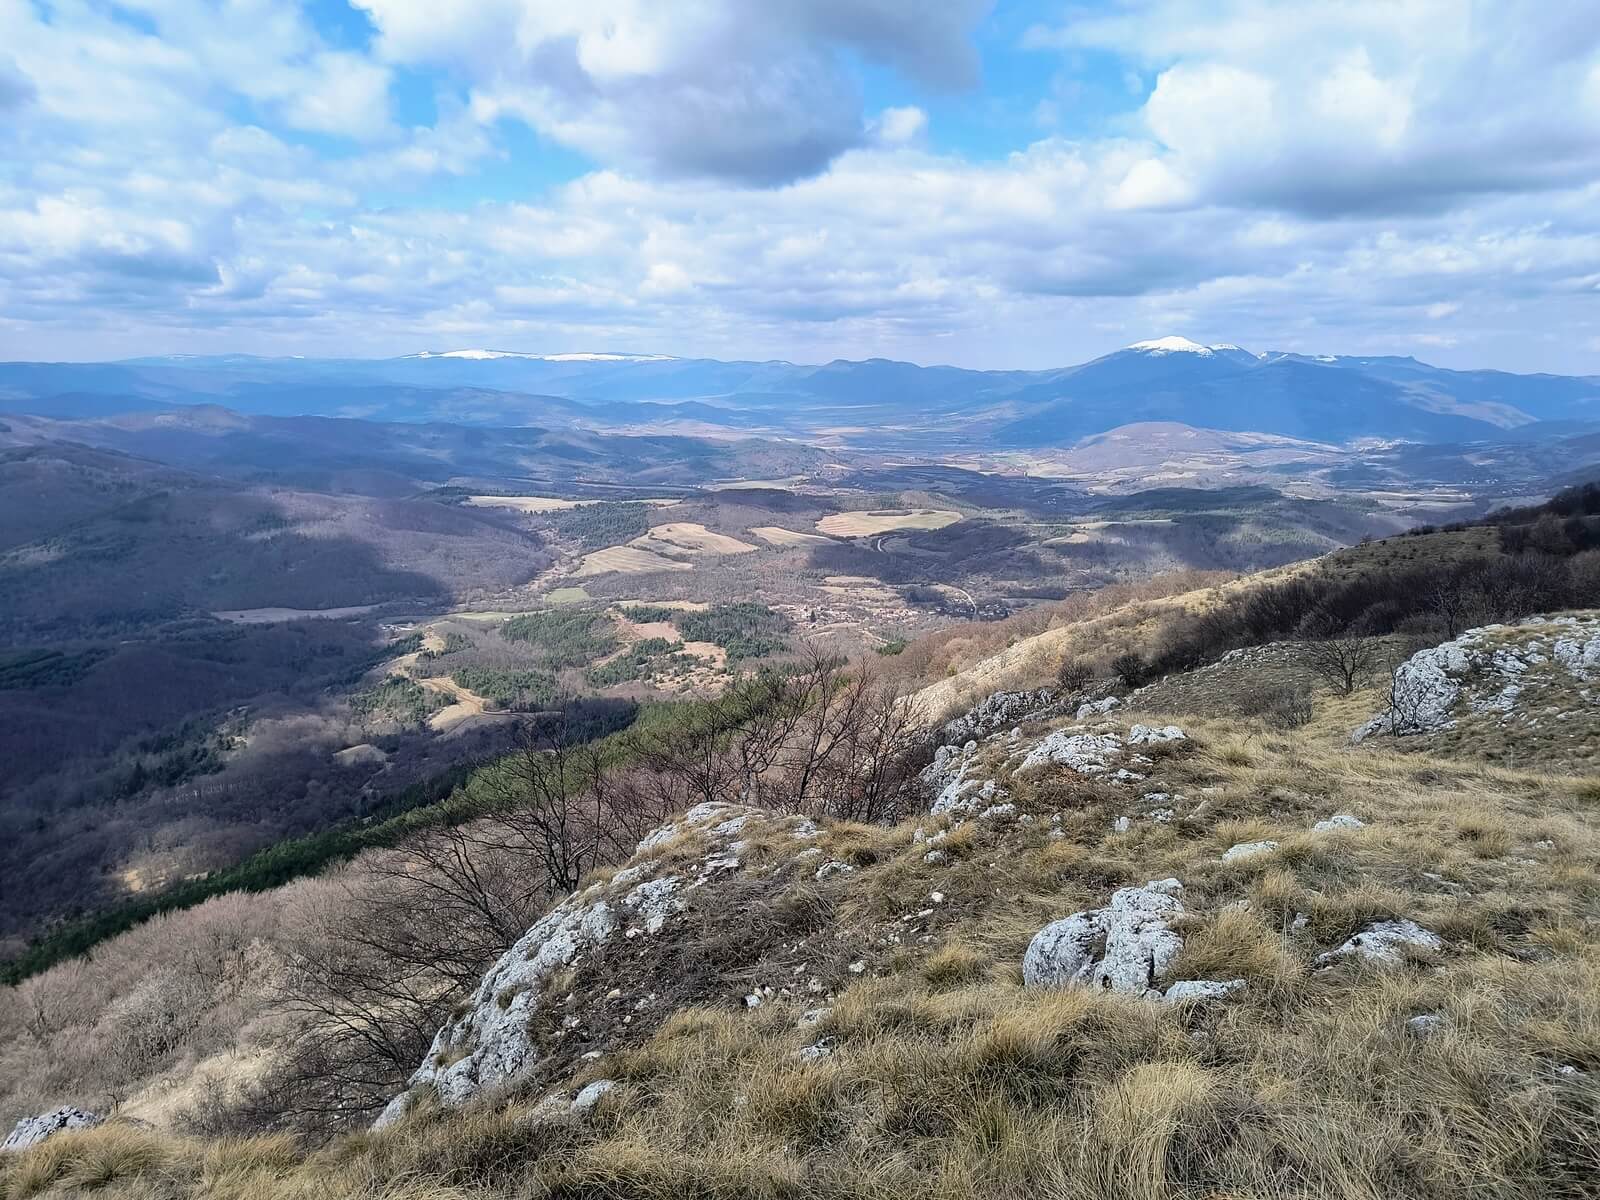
1074	675
1129	668
819	738
145	1027
1340	658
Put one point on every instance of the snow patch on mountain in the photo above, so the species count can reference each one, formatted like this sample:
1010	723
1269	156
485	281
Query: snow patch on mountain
1172	345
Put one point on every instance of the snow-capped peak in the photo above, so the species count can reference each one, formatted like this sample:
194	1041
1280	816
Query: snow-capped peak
1172	345
482	355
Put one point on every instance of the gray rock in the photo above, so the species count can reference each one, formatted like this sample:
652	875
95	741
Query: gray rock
1149	735
489	1044
818	1050
1425	1026
999	711
1203	989
1485	671
1121	947
30	1131
1247	850
1384	943
1338	821
1085	753
590	1096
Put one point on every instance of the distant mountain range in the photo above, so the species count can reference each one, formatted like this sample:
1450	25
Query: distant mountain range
876	402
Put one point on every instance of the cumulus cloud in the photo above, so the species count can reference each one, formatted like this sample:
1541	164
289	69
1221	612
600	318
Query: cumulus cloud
1373	106
741	90
1358	177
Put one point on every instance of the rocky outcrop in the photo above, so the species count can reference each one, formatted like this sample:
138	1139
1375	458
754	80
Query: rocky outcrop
1000	711
489	1044
1122	947
1492	671
30	1131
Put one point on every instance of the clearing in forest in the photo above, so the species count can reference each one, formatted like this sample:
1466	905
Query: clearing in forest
779	536
628	560
690	537
866	524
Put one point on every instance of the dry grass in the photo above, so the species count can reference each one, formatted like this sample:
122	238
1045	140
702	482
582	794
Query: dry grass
869	524
627	560
779	536
688	537
945	1077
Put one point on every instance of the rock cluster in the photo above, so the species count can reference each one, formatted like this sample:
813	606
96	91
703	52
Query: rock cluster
489	1043
30	1131
1000	711
1486	671
1123	947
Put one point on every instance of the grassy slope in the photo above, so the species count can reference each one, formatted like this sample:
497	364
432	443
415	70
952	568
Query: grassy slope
949	1079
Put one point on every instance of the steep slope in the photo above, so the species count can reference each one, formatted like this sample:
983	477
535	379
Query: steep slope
1118	959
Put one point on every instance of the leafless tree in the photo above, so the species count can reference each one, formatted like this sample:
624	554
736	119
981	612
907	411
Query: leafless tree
1340	660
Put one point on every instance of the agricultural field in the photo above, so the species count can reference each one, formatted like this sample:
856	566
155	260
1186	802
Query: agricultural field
868	524
627	560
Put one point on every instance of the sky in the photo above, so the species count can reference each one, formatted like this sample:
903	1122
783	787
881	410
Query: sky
1012	184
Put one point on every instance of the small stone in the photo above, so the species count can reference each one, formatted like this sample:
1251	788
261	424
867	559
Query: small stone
1248	850
1203	989
1425	1026
936	858
1122	825
590	1096
857	967
813	1053
1338	821
752	1001
833	867
936	897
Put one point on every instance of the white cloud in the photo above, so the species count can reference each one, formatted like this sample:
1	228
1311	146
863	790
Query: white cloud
896	126
340	93
1365	106
741	90
1311	177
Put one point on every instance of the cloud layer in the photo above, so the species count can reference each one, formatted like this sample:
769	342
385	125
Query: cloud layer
750	179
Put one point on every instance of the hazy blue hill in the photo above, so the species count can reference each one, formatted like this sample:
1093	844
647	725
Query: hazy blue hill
1324	398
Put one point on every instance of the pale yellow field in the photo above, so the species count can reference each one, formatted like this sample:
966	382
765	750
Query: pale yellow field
690	537
628	560
779	536
526	504
547	504
866	524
